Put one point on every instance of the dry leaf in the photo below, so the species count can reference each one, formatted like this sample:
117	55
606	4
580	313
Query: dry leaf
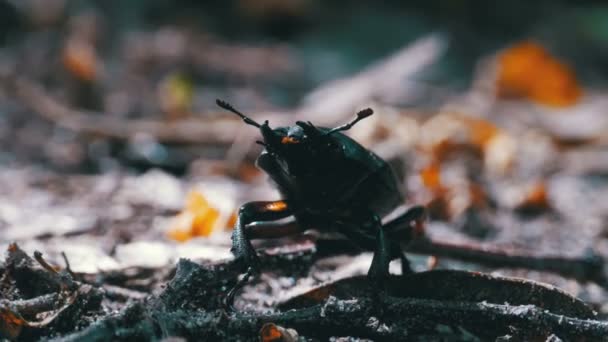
271	332
199	218
528	70
80	59
11	324
175	93
431	176
438	205
534	200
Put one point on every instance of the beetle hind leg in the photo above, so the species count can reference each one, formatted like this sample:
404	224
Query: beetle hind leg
379	270
397	253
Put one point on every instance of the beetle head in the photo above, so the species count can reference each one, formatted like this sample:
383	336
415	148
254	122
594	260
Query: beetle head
298	145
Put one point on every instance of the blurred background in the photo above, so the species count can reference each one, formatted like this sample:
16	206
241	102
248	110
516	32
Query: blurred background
493	114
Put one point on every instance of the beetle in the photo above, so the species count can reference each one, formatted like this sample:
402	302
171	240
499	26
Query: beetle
330	183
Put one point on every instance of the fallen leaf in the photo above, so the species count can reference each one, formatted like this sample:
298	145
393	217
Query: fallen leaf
450	133
80	59
175	94
528	70
535	199
11	323
271	332
431	176
198	218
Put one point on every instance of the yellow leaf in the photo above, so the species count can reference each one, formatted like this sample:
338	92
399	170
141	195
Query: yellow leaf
176	94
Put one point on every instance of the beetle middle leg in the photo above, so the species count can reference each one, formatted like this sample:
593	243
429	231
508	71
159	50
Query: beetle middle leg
379	269
411	223
404	228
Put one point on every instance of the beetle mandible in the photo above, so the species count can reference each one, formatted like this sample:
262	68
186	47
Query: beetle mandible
330	183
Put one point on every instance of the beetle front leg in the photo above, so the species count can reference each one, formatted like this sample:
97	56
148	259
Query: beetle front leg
241	245
249	213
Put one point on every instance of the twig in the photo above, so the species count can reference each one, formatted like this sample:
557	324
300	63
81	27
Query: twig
400	319
32	306
67	265
337	97
113	291
582	269
185	131
43	263
188	307
383	79
63	279
588	268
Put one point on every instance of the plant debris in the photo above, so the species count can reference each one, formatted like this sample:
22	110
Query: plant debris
120	179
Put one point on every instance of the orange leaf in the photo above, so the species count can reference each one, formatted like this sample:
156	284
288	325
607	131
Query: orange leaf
270	333
11	324
204	222
481	131
12	247
535	200
431	176
528	70
80	59
558	87
198	218
196	202
179	235
479	197
517	66
232	220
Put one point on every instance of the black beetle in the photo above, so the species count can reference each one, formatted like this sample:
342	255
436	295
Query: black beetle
329	182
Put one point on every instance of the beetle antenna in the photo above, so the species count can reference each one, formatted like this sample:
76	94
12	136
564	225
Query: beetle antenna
259	142
362	114
268	147
227	106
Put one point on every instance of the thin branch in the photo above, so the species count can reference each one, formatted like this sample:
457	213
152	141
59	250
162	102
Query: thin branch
332	101
185	131
63	279
67	265
400	319
329	103
32	306
113	291
585	268
589	268
44	263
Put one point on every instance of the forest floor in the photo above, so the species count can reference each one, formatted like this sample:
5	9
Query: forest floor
120	180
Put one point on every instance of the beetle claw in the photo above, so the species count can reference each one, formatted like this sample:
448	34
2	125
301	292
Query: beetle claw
228	303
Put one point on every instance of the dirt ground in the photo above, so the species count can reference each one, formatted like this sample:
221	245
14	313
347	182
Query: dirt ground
120	178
